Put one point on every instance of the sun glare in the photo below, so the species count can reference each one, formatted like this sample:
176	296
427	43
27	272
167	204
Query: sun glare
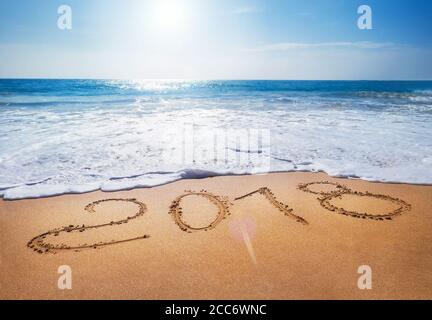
170	15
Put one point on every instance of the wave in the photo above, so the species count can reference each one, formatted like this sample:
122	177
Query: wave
149	180
117	135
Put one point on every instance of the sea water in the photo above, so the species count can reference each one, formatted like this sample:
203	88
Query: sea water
75	136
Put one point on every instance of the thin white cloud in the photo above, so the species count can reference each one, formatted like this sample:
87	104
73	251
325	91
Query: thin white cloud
284	46
245	10
301	14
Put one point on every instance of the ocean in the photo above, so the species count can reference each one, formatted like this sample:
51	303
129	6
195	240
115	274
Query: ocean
75	136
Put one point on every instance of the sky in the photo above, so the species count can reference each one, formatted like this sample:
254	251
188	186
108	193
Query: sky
216	39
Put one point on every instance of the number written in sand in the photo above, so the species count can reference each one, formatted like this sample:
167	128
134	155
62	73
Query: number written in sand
269	195
176	210
41	245
341	190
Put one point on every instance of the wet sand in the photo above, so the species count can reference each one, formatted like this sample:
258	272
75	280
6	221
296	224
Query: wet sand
192	240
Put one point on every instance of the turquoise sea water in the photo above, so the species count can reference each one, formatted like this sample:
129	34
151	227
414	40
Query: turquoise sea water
63	136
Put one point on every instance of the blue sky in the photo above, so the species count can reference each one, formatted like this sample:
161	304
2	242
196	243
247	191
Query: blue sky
225	39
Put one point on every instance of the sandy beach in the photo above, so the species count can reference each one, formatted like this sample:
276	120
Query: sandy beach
192	240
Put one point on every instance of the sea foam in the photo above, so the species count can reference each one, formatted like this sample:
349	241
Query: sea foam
75	136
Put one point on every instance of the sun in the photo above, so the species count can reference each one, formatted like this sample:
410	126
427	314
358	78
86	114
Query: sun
170	15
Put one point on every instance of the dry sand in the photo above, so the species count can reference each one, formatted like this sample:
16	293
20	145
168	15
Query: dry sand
254	248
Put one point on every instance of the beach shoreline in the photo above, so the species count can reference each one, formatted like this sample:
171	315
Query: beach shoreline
76	136
208	177
191	239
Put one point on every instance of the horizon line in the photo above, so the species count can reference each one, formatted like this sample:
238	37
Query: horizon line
202	79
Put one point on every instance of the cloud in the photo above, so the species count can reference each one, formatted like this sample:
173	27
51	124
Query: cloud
284	46
245	10
300	14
